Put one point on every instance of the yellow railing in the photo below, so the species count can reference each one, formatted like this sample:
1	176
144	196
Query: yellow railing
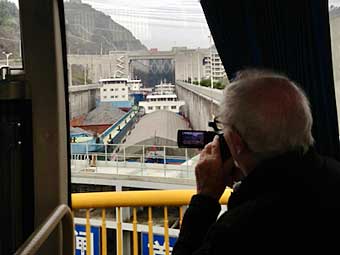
134	199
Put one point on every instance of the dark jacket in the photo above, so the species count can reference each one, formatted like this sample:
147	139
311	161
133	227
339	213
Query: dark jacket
287	204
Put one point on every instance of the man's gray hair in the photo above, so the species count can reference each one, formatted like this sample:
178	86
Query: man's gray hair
269	111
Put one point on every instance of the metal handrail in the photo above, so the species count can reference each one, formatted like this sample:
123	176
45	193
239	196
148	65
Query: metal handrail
38	237
136	198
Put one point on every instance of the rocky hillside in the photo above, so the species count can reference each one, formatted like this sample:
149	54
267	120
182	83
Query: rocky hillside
92	32
88	31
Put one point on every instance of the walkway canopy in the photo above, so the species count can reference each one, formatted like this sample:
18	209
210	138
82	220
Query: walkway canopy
156	128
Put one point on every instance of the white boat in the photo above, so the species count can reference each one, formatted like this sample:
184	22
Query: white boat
156	102
164	89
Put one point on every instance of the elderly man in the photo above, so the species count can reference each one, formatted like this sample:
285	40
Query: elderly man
288	199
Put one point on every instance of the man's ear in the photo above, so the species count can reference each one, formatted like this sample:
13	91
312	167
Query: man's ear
235	143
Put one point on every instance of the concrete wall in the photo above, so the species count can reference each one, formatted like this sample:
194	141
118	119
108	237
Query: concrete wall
199	108
82	99
188	63
101	66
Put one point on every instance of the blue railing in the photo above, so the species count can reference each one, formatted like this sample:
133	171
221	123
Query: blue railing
109	130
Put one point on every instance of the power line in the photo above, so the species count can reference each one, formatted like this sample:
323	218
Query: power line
158	16
7	39
72	35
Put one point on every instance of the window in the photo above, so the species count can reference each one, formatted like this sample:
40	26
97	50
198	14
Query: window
334	21
118	43
10	46
106	36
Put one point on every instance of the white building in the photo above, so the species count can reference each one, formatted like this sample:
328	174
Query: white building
218	72
196	64
161	102
114	89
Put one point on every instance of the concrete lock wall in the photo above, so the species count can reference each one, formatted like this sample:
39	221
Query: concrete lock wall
199	109
82	101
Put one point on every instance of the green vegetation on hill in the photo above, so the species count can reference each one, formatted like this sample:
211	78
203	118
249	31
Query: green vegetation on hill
9	29
207	83
79	74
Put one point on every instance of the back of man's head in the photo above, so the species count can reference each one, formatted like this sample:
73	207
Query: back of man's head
269	111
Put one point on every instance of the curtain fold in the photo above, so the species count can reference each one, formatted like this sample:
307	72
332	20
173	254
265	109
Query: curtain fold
288	36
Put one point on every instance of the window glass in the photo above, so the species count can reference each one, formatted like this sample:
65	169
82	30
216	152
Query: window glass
334	21
136	58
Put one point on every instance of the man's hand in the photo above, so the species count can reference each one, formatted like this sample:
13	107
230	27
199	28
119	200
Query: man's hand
213	175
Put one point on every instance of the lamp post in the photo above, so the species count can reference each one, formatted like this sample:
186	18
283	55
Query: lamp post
211	64
7	56
198	67
192	76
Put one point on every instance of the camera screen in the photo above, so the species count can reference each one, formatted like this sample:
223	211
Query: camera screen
193	138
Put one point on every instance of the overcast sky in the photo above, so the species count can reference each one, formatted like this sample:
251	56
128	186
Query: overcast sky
334	2
159	23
